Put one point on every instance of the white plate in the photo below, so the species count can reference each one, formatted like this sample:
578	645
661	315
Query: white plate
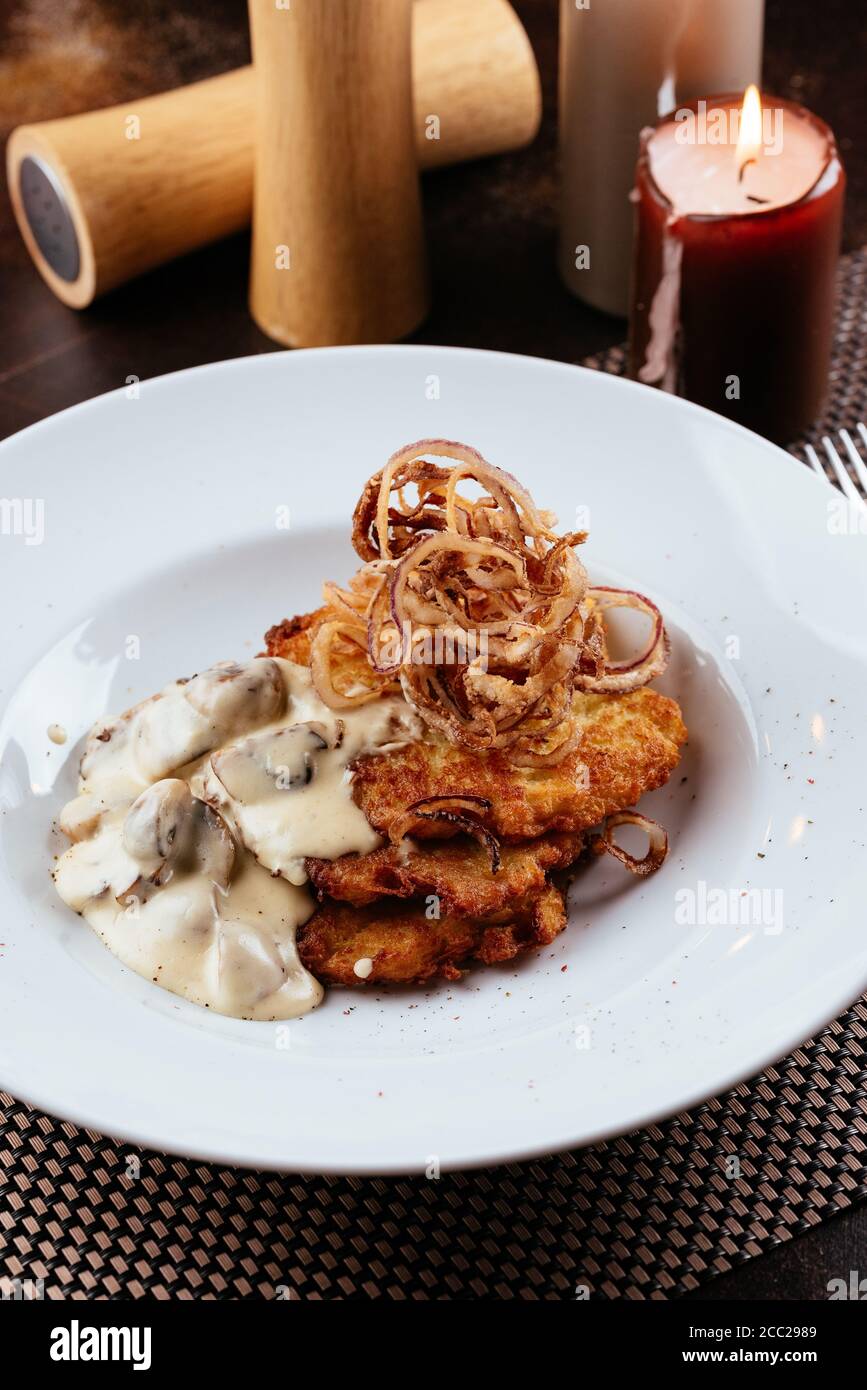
160	524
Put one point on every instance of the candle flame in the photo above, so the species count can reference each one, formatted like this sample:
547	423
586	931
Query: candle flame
749	130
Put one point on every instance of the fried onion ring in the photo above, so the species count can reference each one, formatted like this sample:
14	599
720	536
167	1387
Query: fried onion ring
657	847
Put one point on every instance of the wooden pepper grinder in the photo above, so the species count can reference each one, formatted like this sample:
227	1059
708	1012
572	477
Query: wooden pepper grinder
105	195
338	247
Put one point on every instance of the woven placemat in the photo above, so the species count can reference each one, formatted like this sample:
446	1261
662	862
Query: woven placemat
649	1215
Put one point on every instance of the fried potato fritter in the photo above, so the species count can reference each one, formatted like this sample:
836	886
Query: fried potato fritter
291	638
630	744
404	946
374	905
457	871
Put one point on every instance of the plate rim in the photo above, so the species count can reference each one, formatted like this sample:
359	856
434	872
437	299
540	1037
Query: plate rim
458	1164
679	403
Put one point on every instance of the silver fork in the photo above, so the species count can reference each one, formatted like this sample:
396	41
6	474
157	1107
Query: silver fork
856	494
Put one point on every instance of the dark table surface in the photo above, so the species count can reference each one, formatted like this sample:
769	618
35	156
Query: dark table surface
491	232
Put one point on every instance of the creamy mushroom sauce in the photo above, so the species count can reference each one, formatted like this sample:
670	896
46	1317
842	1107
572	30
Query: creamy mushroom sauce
195	812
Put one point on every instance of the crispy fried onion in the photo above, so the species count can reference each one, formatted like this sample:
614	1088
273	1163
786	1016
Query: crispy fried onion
474	607
657	842
461	812
617	677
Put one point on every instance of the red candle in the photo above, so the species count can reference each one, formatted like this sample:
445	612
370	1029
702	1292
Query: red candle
739	213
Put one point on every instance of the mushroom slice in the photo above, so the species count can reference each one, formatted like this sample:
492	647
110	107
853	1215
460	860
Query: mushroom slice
158	824
167	831
214	846
108	747
247	965
285	760
235	697
80	817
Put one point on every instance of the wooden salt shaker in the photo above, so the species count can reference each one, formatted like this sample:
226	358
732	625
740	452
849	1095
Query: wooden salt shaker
338	247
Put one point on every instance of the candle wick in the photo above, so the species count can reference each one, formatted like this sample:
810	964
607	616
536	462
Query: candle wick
744	167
